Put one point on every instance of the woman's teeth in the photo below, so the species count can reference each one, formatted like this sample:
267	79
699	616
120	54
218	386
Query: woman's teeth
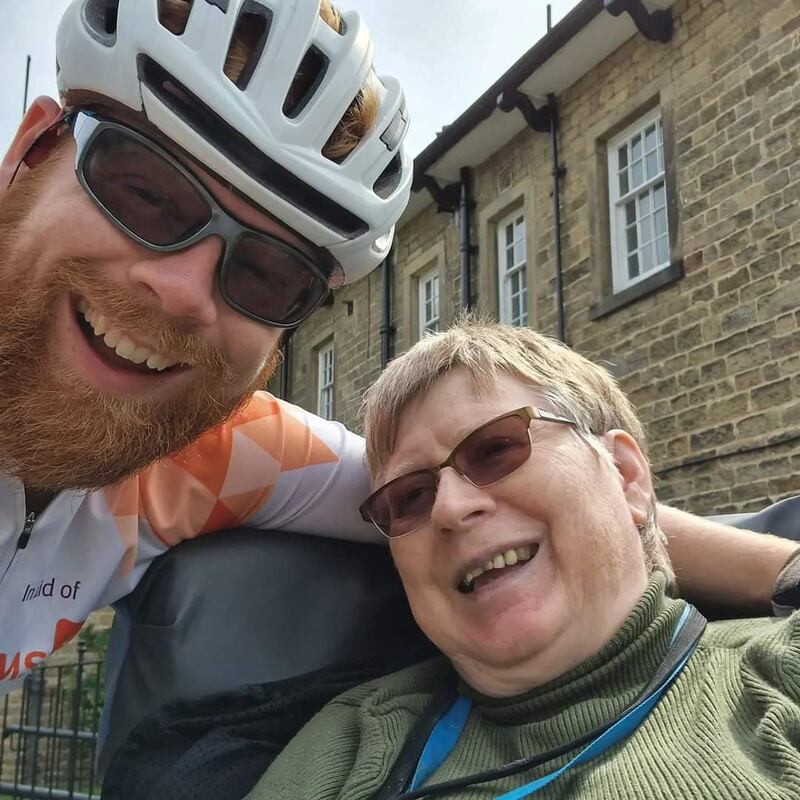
121	344
507	558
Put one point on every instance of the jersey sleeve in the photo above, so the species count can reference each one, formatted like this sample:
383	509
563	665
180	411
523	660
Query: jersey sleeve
272	466
322	478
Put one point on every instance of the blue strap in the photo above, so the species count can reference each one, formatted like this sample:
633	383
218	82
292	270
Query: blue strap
614	735
447	731
442	740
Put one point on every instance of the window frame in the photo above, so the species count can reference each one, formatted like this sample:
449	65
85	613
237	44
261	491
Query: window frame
505	296
326	387
618	203
423	279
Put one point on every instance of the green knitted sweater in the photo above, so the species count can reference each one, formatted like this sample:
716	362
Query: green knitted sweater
729	728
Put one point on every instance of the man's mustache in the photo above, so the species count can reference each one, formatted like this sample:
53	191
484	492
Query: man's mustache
141	321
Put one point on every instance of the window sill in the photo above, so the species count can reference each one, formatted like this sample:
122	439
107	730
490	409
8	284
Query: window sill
613	302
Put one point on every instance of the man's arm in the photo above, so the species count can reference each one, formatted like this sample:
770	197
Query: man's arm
723	565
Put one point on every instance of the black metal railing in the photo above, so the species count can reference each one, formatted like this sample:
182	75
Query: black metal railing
49	732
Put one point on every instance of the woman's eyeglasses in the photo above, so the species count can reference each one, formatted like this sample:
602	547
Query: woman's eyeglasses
157	202
487	455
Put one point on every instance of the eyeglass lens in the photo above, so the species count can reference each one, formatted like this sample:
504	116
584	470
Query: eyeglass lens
147	195
486	456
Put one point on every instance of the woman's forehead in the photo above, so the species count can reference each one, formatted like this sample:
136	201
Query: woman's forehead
435	421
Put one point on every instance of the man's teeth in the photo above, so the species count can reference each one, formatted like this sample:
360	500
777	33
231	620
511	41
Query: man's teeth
121	344
507	559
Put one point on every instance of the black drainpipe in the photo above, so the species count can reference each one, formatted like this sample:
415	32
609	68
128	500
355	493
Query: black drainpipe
286	364
386	329
465	241
557	172
544	120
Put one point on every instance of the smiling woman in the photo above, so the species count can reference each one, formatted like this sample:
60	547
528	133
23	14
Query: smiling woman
511	479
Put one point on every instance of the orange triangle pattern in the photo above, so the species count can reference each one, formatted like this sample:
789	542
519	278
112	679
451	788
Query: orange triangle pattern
66	629
185	495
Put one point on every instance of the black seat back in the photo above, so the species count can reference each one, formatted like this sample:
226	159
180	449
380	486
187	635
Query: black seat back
245	606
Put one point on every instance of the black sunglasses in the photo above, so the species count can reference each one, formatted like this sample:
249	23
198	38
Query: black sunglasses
487	455
155	200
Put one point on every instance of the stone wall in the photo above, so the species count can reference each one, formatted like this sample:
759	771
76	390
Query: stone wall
712	359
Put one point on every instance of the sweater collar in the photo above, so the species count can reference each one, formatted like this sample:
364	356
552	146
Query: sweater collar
603	685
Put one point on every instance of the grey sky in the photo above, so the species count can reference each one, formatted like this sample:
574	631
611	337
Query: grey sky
445	52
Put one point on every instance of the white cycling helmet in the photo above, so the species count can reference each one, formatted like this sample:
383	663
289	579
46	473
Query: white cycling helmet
244	131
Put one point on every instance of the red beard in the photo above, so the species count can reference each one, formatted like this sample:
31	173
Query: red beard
56	431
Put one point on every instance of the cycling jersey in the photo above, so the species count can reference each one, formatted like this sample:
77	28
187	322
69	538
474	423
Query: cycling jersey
272	466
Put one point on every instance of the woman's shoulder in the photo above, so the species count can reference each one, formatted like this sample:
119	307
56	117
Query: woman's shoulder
740	634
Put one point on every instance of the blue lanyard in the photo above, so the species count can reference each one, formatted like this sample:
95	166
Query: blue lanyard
448	730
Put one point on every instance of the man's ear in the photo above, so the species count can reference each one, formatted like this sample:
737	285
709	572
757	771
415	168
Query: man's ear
634	473
41	114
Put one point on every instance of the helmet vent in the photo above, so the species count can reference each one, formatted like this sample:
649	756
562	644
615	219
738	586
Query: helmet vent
307	80
100	17
389	179
174	14
246	156
247	43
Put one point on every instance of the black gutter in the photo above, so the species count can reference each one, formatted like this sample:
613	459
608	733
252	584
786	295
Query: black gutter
386	329
557	172
482	108
465	237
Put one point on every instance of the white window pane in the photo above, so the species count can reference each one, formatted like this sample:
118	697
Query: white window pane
661	221
652	165
630	212
636	147
645	231
622	156
646	254
644	204
623	183
662	250
633	266
637	174
509	234
632	239
659	195
650	139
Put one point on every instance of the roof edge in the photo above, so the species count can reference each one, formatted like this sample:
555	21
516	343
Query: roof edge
572	24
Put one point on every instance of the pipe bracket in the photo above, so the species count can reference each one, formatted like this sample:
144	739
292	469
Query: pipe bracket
656	25
539	119
447	198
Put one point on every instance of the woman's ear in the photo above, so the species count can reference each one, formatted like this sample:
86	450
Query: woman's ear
634	473
42	113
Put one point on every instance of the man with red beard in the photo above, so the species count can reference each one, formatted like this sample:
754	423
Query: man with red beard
214	168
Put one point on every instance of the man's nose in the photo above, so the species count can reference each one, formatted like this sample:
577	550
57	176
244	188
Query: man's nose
458	503
182	284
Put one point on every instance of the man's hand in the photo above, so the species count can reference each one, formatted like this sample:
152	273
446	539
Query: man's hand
718	564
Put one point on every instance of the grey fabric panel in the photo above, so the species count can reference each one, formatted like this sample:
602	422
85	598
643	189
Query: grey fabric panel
245	607
782	519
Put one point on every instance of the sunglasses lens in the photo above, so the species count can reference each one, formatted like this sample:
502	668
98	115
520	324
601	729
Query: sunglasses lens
490	453
143	191
404	503
271	281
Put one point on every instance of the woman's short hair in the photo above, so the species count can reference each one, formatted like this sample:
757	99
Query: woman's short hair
572	385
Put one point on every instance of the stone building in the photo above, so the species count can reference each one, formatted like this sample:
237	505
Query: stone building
678	155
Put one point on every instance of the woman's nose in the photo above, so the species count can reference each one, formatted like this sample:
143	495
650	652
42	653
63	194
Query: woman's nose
183	283
459	504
